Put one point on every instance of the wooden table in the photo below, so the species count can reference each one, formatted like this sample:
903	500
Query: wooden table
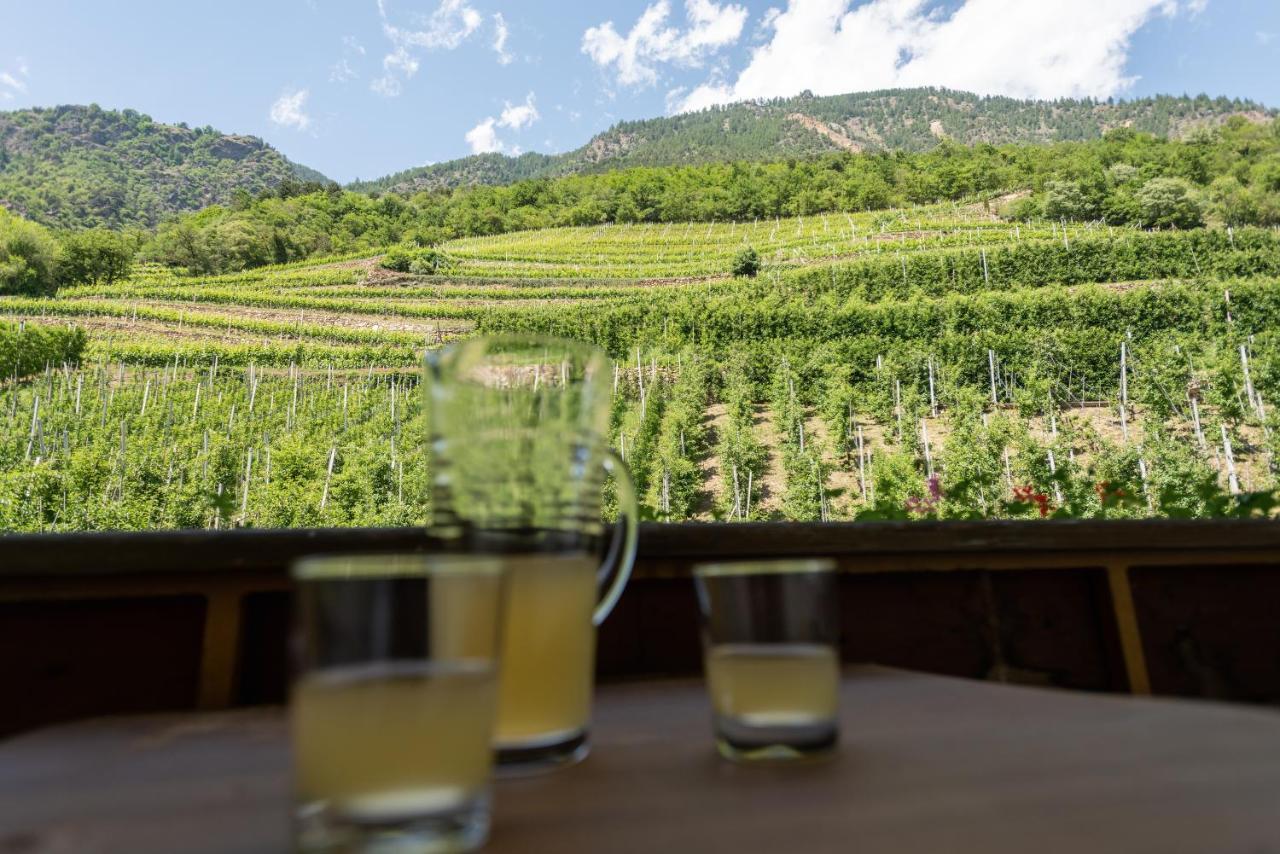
928	764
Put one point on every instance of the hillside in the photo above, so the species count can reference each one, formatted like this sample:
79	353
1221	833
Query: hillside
888	120
74	167
928	361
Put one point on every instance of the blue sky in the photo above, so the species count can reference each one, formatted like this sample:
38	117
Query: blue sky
360	88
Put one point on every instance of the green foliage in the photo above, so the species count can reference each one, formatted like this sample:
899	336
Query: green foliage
192	447
1068	200
746	263
78	167
26	348
1124	179
408	258
28	258
95	256
894	120
1169	203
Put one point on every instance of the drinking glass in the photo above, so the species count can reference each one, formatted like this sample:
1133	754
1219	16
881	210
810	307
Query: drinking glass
517	435
770	631
394	701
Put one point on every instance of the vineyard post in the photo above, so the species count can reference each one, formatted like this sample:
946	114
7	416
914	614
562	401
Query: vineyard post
933	400
1053	469
195	408
737	513
897	405
747	513
1146	489
1232	481
862	465
928	457
1248	382
1124	391
248	474
35	419
640	382
79	386
991	367
1195	420
324	497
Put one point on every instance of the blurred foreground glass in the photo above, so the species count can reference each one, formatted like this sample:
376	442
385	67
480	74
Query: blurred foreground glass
770	631
517	428
394	701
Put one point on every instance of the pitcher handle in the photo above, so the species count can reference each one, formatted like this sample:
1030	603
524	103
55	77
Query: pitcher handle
622	548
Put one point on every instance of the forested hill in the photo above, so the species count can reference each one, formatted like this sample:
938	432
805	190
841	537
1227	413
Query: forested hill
74	167
893	120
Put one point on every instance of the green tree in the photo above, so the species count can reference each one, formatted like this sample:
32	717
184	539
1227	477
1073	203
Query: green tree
94	256
1169	203
28	258
747	262
1068	200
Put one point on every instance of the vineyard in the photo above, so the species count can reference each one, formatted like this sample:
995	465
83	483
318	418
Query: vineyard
935	361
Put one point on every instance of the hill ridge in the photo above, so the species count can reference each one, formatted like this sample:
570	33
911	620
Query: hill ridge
806	125
83	165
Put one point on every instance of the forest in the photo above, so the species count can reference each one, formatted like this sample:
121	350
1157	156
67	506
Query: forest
1229	175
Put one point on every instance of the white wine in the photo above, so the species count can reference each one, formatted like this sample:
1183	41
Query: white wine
773	684
548	650
383	741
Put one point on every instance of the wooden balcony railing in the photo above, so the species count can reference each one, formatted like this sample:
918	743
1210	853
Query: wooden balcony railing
96	624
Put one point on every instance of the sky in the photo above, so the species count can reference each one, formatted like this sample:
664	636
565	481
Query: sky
363	88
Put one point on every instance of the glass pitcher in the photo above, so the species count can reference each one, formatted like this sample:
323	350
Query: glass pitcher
517	431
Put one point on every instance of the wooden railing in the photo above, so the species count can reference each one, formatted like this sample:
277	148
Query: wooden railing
109	623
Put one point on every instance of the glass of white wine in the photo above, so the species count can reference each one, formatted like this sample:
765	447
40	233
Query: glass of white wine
770	634
394	701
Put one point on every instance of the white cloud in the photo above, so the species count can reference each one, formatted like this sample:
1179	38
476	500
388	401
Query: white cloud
448	26
289	110
999	47
1265	38
14	83
651	42
520	115
341	71
484	137
500	35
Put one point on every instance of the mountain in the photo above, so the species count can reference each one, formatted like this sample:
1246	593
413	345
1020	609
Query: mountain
75	166
887	120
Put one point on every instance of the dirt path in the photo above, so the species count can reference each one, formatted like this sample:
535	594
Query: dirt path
773	481
713	421
371	322
842	483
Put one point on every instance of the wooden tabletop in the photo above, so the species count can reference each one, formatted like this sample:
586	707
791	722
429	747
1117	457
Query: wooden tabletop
927	764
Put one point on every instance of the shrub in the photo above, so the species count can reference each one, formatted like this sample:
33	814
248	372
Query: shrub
422	262
94	256
25	348
1068	200
28	258
397	258
746	262
1169	203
